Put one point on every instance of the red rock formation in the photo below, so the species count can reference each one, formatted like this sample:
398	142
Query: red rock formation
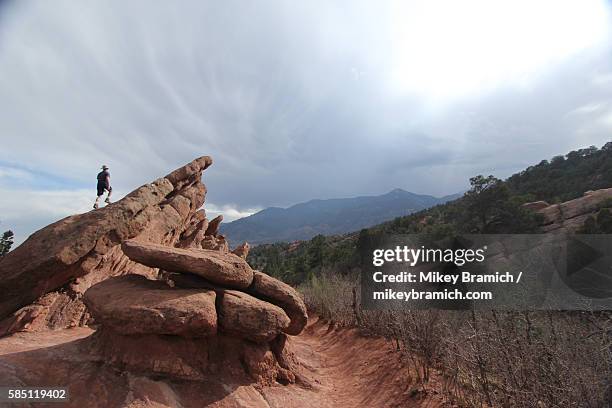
283	295
213	226
570	216
242	250
196	323
215	243
247	317
132	304
222	268
42	281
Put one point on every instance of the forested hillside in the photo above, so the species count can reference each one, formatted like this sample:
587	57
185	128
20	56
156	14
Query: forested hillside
566	177
490	206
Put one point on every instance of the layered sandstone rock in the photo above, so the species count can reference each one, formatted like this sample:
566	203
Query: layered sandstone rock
42	281
264	308
185	320
570	216
245	316
178	330
264	287
536	205
161	287
132	304
283	295
218	267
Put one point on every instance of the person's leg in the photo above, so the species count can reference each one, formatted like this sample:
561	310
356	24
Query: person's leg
100	193
110	191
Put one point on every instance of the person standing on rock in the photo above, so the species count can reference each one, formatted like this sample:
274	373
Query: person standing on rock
103	185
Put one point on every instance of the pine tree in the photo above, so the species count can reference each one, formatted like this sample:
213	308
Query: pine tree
6	242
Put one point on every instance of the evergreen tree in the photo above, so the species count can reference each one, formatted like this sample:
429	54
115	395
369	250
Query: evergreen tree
6	242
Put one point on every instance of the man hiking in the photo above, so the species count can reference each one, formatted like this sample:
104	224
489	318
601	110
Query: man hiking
103	185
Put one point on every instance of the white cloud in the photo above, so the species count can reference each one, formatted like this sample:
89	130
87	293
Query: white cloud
588	108
230	212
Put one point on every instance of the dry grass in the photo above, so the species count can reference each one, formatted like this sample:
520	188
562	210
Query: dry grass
492	358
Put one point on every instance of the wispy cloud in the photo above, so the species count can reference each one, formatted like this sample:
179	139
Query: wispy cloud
589	108
292	105
13	175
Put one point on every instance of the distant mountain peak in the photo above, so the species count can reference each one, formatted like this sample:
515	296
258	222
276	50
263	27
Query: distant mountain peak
328	217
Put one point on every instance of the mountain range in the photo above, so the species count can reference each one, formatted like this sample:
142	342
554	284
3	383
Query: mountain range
328	217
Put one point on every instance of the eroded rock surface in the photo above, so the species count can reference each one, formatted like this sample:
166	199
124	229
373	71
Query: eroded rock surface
213	226
167	297
242	250
570	216
283	295
58	263
218	267
132	304
245	316
264	287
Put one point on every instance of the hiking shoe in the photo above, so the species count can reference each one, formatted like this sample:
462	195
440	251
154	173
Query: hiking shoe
107	201
95	206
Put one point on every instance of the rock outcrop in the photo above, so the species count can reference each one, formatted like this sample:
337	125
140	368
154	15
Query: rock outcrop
209	300
213	226
259	310
161	287
188	334
43	280
570	216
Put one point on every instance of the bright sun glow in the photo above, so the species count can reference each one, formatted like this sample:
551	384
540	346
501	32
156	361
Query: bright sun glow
450	48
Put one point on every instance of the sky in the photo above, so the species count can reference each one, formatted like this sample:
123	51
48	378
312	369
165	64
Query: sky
293	100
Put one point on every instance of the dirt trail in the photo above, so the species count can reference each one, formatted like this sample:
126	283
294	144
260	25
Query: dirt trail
348	370
340	368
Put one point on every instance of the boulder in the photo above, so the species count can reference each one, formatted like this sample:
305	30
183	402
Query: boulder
279	293
159	285
132	304
247	317
264	287
78	251
221	268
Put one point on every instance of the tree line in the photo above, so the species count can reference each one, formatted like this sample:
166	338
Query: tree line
490	206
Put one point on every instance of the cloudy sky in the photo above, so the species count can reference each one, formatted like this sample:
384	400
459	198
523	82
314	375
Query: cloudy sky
294	100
